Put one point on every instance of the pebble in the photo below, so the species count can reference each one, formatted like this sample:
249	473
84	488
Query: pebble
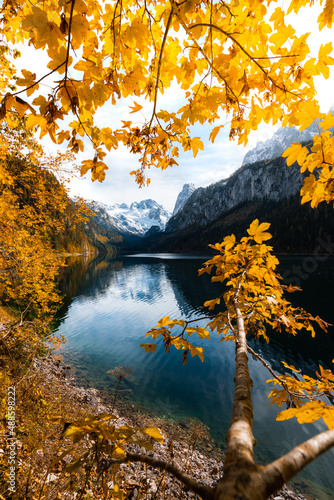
208	470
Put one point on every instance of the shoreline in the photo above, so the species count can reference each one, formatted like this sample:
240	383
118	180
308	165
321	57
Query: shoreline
136	479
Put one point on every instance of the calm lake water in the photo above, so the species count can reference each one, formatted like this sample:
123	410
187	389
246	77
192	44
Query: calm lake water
111	304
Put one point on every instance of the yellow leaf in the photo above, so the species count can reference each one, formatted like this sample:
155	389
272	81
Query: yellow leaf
291	367
153	432
302	155
41	102
118	453
211	303
28	81
137	107
34	120
196	144
327	122
197	351
292	153
80	27
164	321
84	65
214	132
21	106
229	242
202	333
256	231
71	430
149	347
309	412
328	416
59	59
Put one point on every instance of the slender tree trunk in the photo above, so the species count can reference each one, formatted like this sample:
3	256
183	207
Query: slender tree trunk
239	460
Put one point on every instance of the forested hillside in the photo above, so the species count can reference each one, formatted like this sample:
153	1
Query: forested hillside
88	236
295	228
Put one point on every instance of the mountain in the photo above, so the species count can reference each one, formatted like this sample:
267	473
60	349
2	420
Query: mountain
296	228
270	179
278	143
102	216
263	175
135	219
183	197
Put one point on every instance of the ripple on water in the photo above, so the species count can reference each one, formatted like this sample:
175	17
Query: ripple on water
108	318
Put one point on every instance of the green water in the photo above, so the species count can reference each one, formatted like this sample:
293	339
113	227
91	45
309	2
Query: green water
111	304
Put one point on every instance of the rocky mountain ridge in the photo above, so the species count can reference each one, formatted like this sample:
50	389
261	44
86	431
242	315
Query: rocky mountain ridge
278	143
183	196
139	218
269	179
259	177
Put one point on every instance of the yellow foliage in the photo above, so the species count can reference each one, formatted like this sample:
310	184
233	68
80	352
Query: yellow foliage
34	206
249	270
252	74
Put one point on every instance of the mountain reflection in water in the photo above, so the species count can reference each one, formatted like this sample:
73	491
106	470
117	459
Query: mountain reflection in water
111	304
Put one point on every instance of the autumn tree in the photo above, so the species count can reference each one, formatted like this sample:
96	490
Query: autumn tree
236	65
255	302
34	206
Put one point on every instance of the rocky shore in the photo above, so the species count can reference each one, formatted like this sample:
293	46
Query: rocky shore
139	480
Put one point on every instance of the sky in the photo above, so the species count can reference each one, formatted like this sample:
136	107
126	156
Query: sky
216	162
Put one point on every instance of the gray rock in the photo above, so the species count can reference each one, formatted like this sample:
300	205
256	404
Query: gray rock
276	145
272	180
183	197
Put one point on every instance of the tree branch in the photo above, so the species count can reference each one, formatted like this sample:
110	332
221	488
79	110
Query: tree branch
240	437
69	41
195	42
38	81
205	492
254	59
282	382
159	67
286	467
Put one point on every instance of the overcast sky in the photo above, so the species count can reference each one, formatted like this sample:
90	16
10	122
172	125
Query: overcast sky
216	162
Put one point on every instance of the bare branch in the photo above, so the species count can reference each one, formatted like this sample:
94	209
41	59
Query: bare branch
205	492
271	371
38	81
69	41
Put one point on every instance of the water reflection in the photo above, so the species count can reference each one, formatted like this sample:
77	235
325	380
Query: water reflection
111	304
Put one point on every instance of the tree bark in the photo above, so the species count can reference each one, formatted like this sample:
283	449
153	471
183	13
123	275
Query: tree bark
289	465
205	492
243	478
239	463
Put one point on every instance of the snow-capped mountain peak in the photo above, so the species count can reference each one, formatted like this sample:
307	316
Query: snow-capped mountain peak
136	218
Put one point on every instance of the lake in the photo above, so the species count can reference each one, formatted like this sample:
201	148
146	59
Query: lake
110	304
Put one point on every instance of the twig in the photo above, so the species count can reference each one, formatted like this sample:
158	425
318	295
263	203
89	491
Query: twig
229	35
68	41
283	384
38	81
